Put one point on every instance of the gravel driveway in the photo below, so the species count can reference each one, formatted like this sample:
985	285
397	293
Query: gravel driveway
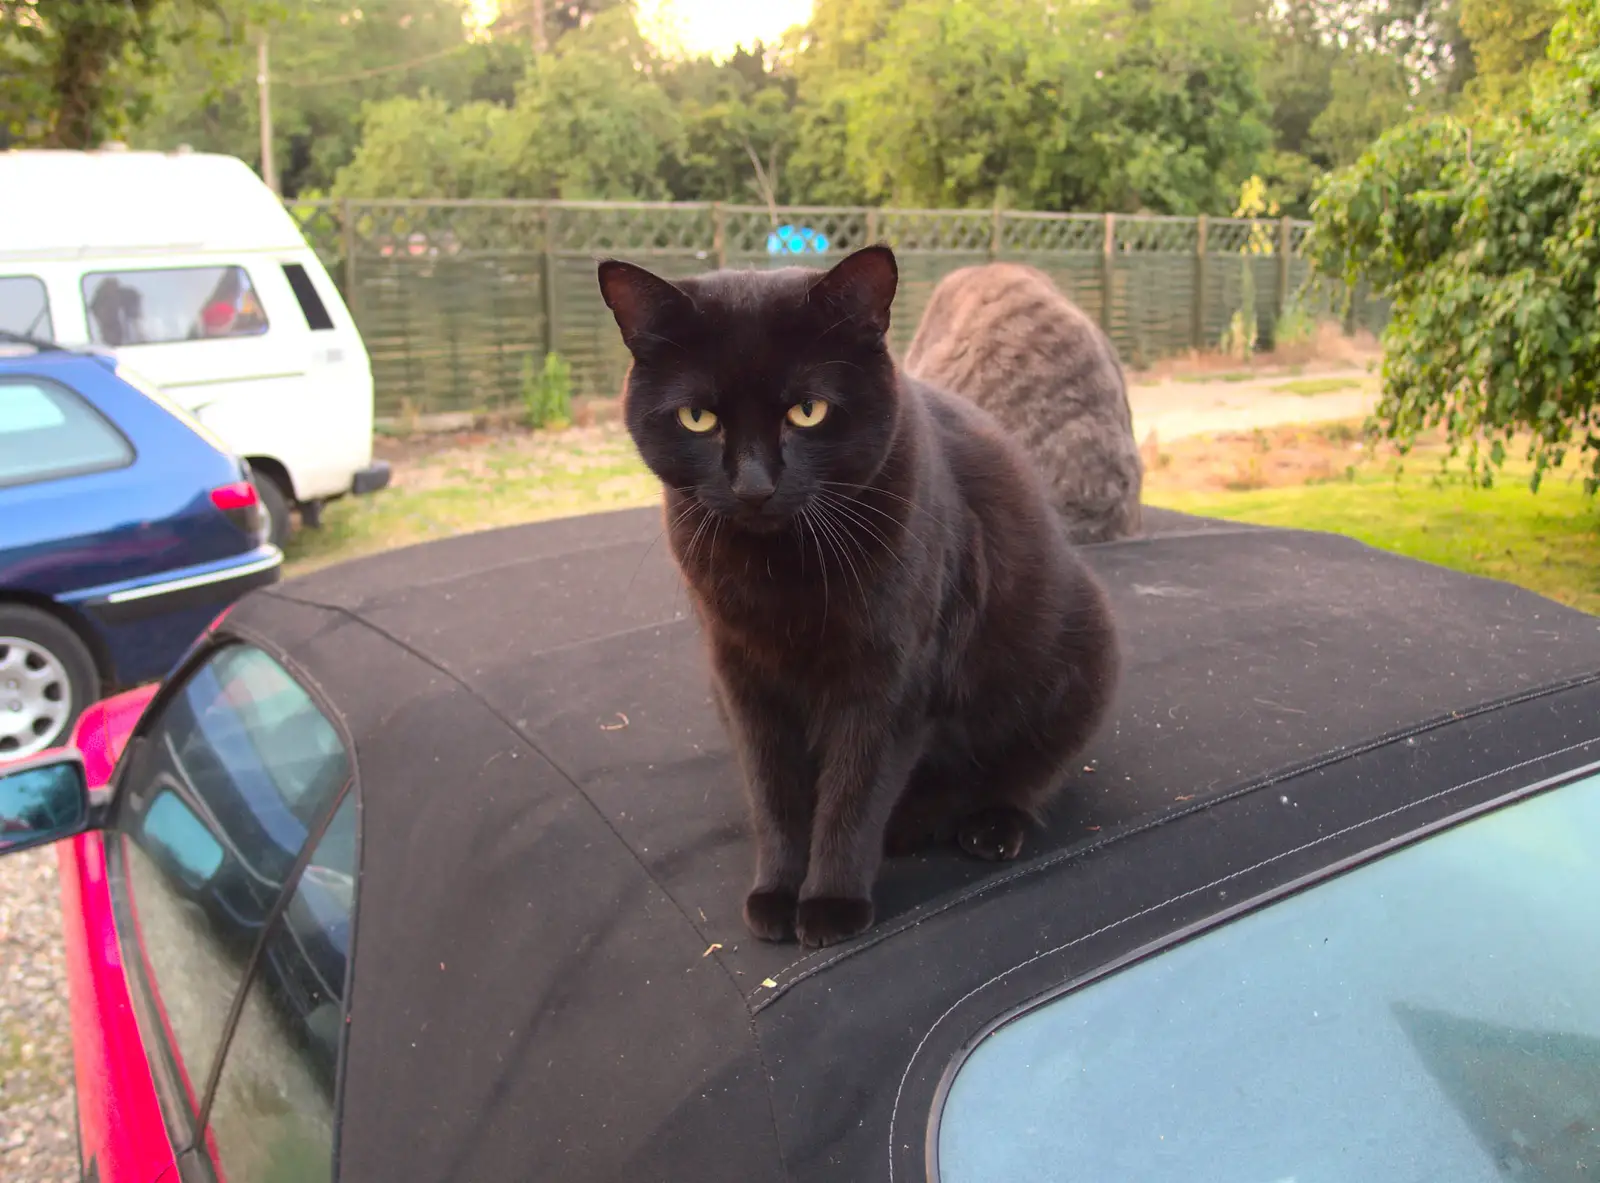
36	1120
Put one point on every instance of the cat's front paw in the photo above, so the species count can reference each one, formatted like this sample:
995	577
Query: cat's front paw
827	920
769	913
994	834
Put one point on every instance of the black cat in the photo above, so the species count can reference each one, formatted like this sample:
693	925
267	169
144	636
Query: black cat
906	649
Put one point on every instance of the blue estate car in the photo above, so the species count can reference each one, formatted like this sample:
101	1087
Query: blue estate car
125	528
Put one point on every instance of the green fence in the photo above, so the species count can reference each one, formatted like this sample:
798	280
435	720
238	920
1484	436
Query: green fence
457	300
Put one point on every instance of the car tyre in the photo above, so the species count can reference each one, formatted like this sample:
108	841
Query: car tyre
47	678
275	502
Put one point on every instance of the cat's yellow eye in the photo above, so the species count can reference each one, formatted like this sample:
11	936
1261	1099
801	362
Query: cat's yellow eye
808	412
697	419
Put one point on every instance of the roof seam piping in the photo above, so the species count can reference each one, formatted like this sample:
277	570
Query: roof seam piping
1079	852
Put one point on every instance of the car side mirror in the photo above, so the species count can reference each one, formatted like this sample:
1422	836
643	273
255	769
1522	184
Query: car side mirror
43	799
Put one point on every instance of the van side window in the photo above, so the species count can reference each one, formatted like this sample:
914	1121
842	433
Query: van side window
25	308
317	318
178	304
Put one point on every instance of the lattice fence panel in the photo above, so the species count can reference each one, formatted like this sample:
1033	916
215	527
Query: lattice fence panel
938	231
801	235
630	231
1051	234
1144	235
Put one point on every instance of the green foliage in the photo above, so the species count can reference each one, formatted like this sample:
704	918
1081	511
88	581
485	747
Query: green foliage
588	121
1485	237
1509	41
547	395
75	73
1093	106
738	129
329	62
1239	338
1296	325
1368	95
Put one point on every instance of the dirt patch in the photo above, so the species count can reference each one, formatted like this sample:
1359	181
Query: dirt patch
1263	458
1328	350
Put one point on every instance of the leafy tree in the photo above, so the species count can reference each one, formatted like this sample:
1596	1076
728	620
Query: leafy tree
1487	239
424	148
1094	106
738	129
589	121
1509	40
74	73
1368	96
831	61
329	59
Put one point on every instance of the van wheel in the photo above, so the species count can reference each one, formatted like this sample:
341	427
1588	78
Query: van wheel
47	677
276	502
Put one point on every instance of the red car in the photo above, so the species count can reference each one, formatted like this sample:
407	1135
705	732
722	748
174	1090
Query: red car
429	867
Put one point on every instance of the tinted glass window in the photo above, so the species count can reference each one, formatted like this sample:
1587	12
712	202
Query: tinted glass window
317	318
182	304
25	308
48	432
272	1117
216	806
1432	1015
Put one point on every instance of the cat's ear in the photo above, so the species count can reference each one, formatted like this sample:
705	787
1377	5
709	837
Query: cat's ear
862	285
639	301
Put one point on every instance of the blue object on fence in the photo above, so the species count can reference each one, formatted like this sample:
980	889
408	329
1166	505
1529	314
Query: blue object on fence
796	240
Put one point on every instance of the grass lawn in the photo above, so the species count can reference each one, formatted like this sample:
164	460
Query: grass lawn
480	484
1549	541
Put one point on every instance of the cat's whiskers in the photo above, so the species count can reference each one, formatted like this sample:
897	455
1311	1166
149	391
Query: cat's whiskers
822	562
672	524
859	504
841	538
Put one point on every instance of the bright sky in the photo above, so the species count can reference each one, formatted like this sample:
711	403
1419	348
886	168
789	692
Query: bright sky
716	27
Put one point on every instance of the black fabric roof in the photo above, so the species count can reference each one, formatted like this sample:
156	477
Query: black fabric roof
551	977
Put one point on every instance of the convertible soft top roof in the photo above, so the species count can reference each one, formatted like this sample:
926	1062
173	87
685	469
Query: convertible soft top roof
551	979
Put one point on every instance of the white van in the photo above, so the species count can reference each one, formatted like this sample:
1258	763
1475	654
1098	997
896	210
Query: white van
188	268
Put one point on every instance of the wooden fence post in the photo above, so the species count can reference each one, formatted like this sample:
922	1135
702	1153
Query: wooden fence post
347	230
872	227
547	282
996	231
1197	332
1108	268
1283	270
719	233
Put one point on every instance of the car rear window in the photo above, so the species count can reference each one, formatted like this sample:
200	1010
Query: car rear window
47	432
175	304
316	312
25	307
1433	1014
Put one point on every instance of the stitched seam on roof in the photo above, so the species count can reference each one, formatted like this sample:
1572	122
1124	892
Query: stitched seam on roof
1078	852
518	562
1194	891
359	614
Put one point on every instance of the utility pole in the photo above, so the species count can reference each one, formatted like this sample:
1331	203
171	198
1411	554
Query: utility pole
269	172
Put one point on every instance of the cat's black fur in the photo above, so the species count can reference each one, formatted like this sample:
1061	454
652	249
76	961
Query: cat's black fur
906	649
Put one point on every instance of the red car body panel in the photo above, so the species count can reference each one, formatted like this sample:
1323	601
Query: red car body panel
120	1125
